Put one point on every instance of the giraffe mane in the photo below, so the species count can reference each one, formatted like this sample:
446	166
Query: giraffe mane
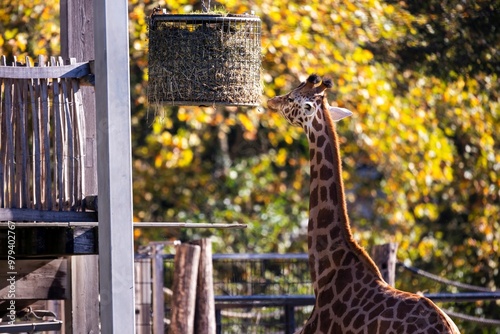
348	236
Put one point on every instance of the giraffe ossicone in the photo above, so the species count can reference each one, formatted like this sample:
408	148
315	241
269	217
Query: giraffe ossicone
351	296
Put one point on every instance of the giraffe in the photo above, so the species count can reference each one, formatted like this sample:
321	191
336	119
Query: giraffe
351	296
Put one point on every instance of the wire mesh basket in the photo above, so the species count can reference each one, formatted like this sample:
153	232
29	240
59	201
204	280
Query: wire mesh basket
204	59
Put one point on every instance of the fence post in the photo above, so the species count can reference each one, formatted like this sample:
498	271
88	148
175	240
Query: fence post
205	303
186	262
289	319
158	299
143	295
218	321
385	259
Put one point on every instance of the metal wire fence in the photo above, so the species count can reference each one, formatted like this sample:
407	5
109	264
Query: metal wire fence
272	293
258	293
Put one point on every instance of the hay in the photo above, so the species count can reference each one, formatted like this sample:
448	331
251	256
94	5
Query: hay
204	60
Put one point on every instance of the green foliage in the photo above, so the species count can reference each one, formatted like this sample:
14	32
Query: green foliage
421	154
29	28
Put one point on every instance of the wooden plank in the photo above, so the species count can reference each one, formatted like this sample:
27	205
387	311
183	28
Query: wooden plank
35	279
83	313
77	70
19	215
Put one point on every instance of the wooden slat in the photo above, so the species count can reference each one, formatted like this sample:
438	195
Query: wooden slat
2	140
42	143
69	153
44	125
58	140
79	136
9	146
37	172
36	279
22	144
77	70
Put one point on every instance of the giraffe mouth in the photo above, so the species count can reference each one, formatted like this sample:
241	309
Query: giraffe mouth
272	104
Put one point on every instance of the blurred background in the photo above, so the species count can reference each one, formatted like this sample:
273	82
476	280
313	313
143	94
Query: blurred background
421	154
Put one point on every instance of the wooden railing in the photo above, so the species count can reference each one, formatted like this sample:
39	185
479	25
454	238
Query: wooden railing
42	140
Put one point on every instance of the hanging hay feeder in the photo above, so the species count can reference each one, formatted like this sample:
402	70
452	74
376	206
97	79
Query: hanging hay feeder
204	59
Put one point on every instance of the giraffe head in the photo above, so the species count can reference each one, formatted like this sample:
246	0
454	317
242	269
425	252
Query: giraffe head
301	104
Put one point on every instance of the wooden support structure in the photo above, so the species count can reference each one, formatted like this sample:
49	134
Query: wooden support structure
77	41
385	259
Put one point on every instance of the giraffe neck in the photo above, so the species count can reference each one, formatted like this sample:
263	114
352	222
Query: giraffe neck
330	241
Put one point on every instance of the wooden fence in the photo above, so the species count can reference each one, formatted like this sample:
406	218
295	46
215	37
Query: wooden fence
42	140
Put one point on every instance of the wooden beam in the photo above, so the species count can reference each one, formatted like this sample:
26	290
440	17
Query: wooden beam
50	241
114	169
77	70
20	215
35	279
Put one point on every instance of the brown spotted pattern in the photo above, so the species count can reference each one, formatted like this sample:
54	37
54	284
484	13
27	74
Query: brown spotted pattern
351	296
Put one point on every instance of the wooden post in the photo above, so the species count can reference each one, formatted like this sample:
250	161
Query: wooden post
158	298
186	263
205	302
385	258
77	41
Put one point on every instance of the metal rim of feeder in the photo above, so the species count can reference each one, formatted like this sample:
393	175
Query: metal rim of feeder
162	76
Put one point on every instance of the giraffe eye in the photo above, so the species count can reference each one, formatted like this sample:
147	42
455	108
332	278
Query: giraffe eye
290	99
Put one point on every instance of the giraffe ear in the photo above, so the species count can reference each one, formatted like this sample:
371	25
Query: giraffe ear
339	113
